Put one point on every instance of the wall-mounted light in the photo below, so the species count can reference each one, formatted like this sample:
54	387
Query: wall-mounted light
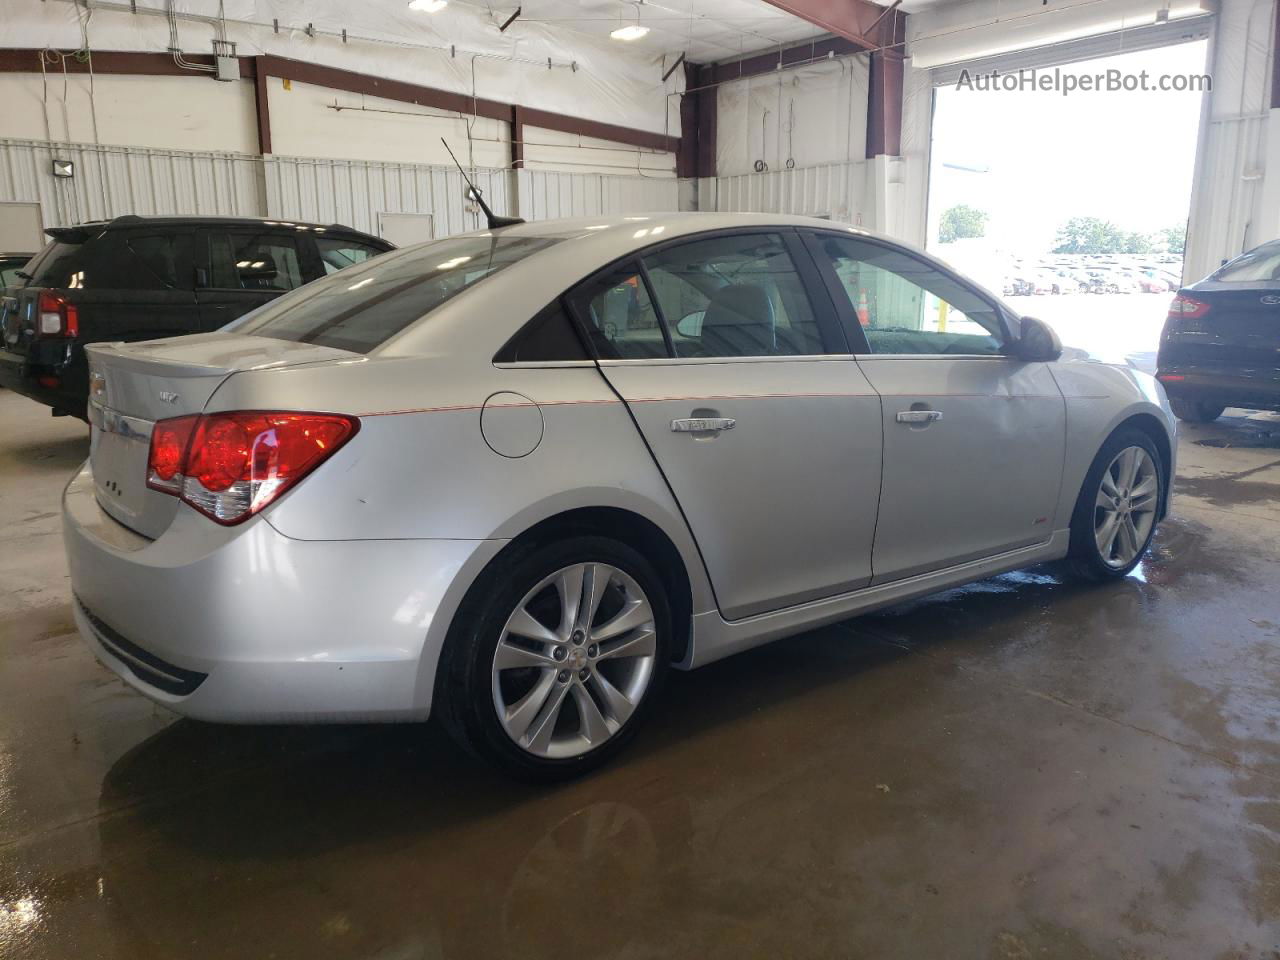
428	6
64	168
632	31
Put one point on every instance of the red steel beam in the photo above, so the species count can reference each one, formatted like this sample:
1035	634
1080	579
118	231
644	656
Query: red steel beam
858	21
261	67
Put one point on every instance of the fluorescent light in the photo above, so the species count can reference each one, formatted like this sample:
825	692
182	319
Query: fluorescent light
428	6
632	31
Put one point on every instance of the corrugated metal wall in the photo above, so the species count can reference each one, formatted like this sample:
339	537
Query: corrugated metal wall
112	181
550	193
836	190
354	192
1227	197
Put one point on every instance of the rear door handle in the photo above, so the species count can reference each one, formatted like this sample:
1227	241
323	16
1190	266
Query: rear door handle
919	416
703	424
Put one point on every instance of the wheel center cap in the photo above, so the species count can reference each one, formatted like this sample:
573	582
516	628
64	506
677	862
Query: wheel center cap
577	658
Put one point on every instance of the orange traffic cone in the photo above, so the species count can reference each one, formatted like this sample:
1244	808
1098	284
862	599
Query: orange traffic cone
864	312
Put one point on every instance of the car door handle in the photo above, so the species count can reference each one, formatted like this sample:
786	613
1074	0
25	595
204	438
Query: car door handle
919	416
703	424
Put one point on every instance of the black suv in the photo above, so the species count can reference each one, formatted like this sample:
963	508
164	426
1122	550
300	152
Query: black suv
139	278
1221	344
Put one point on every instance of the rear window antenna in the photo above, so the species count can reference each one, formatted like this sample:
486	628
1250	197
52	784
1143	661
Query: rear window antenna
474	194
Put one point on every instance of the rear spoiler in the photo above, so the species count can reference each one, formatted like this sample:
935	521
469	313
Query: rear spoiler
71	234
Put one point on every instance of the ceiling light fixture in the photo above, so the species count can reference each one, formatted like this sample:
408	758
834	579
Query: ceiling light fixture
632	31
428	6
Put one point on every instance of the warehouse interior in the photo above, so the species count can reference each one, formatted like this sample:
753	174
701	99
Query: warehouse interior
1024	766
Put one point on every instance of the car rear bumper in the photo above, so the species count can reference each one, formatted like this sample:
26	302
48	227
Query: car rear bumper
21	376
245	625
1218	387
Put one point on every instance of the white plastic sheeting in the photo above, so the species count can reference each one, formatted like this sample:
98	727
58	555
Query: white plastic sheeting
816	114
534	64
112	181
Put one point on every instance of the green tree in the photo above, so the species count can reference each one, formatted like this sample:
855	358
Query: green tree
961	222
1137	243
1175	238
1090	235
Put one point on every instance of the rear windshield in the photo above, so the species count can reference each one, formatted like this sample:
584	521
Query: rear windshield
365	305
117	260
1260	263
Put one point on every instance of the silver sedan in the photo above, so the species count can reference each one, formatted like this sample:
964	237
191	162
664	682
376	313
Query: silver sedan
511	478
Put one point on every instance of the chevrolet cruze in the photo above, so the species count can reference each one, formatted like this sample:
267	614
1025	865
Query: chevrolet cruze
511	478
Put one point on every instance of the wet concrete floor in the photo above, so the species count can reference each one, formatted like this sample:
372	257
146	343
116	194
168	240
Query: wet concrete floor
1023	768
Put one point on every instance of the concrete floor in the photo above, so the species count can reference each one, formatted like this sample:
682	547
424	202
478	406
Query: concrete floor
1025	768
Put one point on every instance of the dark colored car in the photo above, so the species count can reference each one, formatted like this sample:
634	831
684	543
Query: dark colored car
11	265
139	278
1221	344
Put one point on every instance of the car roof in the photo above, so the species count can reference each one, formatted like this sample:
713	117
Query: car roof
134	220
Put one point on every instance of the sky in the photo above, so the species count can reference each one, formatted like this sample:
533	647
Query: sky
1123	156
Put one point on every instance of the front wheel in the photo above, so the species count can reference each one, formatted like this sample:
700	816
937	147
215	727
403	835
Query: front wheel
555	658
1196	411
1115	515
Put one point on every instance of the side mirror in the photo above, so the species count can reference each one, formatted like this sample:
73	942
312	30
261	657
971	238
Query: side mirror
691	325
1037	343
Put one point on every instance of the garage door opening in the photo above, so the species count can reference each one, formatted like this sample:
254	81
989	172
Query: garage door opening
1067	189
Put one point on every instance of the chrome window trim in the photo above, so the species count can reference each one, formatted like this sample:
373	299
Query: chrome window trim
935	356
542	364
687	361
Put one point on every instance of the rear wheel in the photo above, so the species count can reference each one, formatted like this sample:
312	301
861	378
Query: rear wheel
555	658
1196	411
1115	515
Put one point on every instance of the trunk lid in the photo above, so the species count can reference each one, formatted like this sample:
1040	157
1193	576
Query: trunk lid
1239	334
132	385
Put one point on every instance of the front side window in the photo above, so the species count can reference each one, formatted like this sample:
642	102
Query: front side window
255	261
906	306
734	296
362	307
337	254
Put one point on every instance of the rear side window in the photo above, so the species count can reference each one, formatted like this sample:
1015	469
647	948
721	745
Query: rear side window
361	307
254	261
159	261
1260	264
546	338
734	296
337	254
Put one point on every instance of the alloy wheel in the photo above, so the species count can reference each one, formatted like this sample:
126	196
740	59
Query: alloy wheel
1125	508
574	660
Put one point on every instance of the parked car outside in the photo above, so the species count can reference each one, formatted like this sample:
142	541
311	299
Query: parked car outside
488	478
1221	342
138	278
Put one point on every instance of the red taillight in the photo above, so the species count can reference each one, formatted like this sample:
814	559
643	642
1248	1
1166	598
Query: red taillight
56	317
1187	308
169	440
231	465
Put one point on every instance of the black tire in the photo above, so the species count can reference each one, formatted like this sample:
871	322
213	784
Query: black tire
464	698
1196	411
1084	557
